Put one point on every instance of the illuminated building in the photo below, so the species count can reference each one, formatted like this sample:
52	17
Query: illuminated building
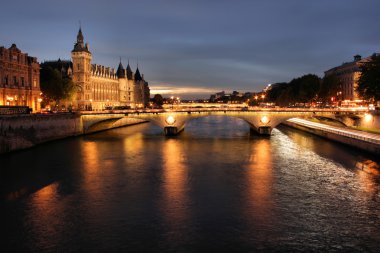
348	75
100	86
19	79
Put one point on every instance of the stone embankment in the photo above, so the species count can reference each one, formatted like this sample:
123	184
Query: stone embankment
363	140
25	131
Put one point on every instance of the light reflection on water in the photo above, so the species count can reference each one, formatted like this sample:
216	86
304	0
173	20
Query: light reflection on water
213	188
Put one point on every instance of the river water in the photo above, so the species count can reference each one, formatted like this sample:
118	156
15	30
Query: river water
214	188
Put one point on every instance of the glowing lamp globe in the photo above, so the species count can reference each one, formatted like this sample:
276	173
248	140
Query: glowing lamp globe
264	119
170	120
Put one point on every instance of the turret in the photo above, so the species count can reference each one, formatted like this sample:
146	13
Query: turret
79	46
137	75
80	38
120	71
129	72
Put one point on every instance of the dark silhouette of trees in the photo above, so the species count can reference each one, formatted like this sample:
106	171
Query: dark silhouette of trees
158	100
304	89
369	81
54	87
330	87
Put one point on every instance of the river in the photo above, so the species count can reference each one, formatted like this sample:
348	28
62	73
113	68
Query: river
214	188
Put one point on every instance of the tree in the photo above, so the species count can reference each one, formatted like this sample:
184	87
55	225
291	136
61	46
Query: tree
69	89
276	93
330	87
369	81
303	89
158	100
56	88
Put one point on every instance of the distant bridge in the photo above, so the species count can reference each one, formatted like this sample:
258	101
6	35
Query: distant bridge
261	121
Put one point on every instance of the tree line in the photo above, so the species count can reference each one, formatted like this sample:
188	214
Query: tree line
311	88
305	89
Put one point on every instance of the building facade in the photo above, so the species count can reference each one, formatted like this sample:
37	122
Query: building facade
19	79
100	87
348	75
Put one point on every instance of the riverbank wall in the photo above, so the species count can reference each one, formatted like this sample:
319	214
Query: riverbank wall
351	140
25	131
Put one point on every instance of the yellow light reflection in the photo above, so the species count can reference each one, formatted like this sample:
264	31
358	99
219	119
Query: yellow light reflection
45	207
44	198
260	182
90	158
174	177
368	172
133	144
92	167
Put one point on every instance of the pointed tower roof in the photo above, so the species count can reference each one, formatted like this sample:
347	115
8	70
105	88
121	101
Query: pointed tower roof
80	35
129	72
120	71
79	45
137	75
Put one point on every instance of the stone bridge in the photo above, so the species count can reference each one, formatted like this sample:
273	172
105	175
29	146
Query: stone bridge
261	121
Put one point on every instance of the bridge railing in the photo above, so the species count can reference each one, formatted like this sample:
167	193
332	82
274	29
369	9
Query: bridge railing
231	109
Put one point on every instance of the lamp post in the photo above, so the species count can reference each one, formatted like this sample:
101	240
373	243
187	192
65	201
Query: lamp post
39	101
172	101
90	104
339	97
256	98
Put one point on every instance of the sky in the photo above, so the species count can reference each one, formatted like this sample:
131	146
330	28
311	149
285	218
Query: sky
195	48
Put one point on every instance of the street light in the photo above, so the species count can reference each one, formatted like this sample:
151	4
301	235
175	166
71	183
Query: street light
170	120
264	119
339	97
90	104
39	101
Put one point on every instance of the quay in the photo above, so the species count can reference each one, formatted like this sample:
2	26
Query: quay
28	130
360	139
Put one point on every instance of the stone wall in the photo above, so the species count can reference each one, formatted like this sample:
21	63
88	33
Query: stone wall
19	132
25	131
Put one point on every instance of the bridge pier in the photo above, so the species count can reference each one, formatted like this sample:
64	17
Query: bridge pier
172	130
263	130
